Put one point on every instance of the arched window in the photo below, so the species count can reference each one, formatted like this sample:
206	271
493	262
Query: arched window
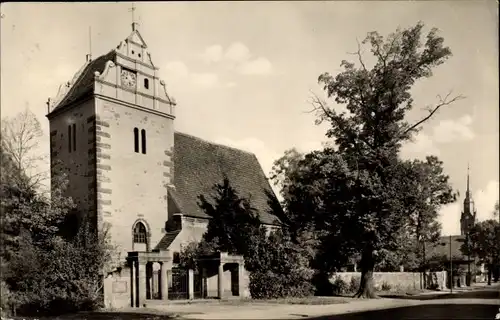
143	138
146	83
140	233
136	140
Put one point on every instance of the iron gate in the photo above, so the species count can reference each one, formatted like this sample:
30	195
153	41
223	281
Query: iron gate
179	285
178	288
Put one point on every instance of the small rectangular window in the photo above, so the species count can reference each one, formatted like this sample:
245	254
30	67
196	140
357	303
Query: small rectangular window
143	138
146	83
69	138
74	137
136	140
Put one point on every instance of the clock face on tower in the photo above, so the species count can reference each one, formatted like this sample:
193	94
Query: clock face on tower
128	78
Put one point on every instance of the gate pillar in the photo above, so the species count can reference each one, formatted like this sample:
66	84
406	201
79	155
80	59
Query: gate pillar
190	276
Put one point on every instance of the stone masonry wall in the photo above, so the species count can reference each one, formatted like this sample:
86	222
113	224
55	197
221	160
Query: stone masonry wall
396	280
99	158
131	186
117	289
78	164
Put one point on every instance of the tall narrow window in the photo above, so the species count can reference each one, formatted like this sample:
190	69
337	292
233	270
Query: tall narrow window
74	137
143	141
146	83
69	138
136	140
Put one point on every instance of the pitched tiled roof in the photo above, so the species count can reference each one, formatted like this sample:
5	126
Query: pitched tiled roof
442	248
199	165
167	239
85	82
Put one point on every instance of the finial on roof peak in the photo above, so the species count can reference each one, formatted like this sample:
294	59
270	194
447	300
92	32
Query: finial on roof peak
468	190
134	24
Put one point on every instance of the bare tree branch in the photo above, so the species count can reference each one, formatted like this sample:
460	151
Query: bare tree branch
320	105
360	57
19	142
433	110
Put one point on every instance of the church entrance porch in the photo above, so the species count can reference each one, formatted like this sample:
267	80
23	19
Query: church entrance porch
148	276
152	277
222	275
219	276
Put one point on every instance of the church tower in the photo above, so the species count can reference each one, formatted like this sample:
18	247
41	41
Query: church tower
468	217
112	130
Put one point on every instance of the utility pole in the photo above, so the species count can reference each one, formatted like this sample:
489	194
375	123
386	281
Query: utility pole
451	269
425	279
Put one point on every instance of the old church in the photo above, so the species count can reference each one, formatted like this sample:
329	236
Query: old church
112	127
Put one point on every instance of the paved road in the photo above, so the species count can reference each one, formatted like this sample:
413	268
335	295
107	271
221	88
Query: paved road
431	311
479	304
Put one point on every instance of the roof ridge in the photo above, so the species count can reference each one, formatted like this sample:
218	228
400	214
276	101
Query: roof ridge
215	143
172	232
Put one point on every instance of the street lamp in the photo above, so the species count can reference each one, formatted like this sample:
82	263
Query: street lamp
451	269
422	269
469	276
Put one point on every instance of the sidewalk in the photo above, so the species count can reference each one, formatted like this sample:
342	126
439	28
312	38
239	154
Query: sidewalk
476	286
279	311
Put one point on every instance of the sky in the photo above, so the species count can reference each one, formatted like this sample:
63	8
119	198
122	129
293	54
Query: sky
243	73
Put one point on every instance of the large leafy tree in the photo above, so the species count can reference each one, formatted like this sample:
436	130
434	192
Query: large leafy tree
23	208
304	178
484	244
368	138
428	189
33	238
24	204
315	197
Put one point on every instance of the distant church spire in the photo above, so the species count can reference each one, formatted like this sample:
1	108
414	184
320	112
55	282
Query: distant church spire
468	213
468	190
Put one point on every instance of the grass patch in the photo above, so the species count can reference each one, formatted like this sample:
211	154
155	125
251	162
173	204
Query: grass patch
412	292
304	301
314	300
310	300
